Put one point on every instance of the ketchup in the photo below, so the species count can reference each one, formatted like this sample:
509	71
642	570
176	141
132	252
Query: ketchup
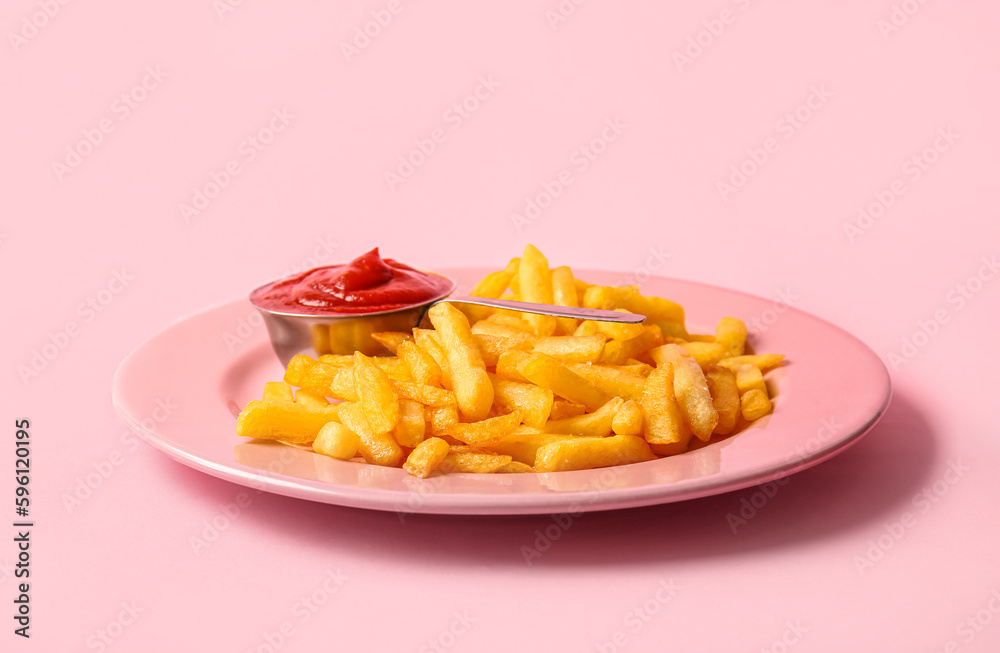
368	284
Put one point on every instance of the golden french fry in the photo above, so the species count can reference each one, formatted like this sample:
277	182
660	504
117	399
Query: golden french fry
635	367
534	403
377	448
732	333
310	398
588	453
491	328
523	443
441	418
472	387
285	421
612	380
691	389
549	373
664	425
277	391
617	352
410	428
377	397
596	424
337	441
564	294
337	359
492	429
628	420
619	330
706	353
586	328
656	309
428	341
725	397
492	346
599	297
572	349
342	386
761	361
474	462
423	368
391	339
561	409
510	364
304	372
427	395
749	377
515	321
515	467
754	404
535	285
493	285
426	457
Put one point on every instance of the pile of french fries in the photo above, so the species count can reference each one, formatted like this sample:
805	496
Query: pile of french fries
489	390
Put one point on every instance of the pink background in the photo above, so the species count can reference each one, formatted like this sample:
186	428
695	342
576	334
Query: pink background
874	84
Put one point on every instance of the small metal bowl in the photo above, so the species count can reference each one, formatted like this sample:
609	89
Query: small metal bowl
339	333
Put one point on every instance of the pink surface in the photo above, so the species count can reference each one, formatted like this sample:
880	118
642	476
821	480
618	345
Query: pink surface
841	159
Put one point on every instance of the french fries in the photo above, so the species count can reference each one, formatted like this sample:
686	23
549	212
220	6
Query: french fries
498	391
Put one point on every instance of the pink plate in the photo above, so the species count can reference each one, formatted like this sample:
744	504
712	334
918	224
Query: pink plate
831	391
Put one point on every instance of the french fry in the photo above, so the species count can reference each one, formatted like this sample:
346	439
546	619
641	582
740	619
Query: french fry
706	353
441	418
285	421
491	328
376	448
492	346
612	380
410	428
275	391
656	309
617	352
392	365
599	297
510	365
749	377
304	372
493	285
572	349
516	322
691	389
561	409
534	403
428	341
596	424
391	339
342	386
472	387
514	467
725	397
619	330
310	398
549	373
426	457
762	362
427	395
589	453
377	397
337	441
664	425
522	444
485	431
423	368
732	333
474	462
564	294
535	285
337	359
754	404
628	419
586	328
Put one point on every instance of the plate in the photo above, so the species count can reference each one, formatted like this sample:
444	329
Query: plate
182	389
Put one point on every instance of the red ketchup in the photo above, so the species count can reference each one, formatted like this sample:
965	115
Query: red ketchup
368	284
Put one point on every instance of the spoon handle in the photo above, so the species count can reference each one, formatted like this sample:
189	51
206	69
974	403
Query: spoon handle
549	309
